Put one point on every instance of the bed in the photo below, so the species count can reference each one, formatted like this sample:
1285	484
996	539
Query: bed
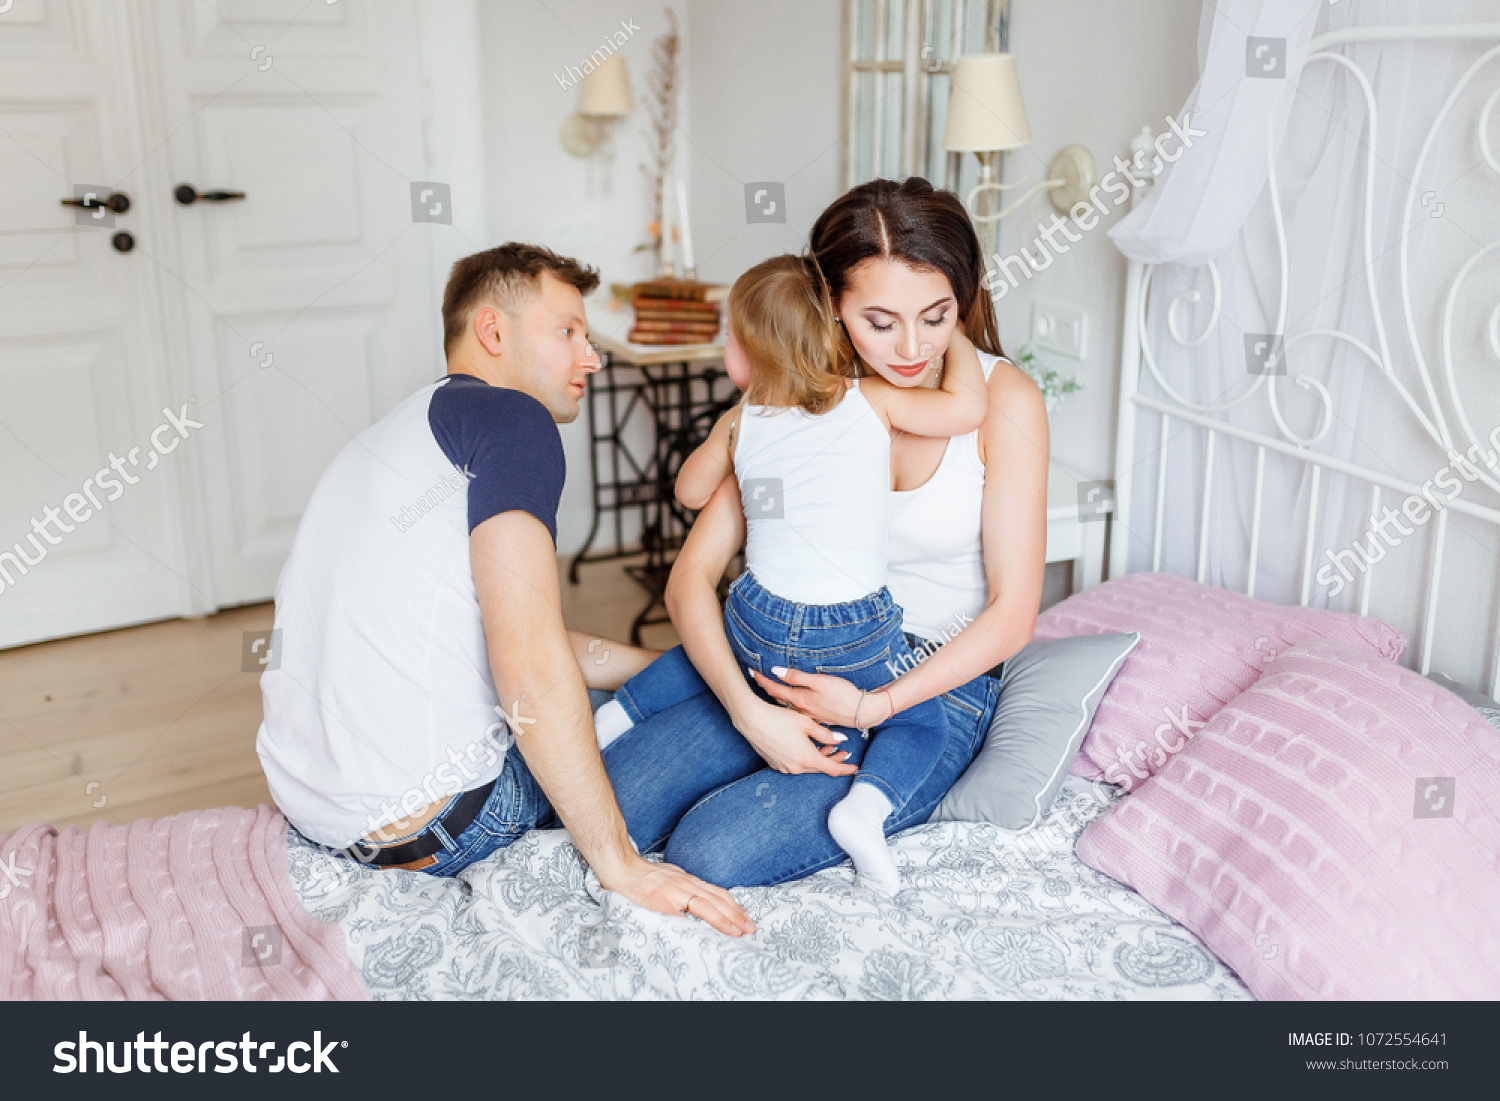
991	916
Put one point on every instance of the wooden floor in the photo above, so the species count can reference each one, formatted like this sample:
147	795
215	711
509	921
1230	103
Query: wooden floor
149	721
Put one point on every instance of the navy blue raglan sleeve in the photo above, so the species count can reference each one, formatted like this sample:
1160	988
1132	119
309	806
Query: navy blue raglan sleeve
506	443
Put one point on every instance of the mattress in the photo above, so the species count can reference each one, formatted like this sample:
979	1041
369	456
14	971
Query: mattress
988	915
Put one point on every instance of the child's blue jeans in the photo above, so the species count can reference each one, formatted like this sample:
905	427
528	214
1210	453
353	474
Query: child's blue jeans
860	640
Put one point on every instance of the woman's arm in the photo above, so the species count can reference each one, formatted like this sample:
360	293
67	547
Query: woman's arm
1015	447
958	406
780	735
709	464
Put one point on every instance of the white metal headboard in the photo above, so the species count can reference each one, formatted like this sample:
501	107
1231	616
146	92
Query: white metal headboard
1436	405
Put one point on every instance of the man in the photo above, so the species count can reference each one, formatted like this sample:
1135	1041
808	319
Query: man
430	706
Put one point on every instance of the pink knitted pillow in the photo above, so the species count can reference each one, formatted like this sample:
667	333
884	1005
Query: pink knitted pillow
1332	833
1200	648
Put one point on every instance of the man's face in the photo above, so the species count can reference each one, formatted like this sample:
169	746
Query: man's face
553	357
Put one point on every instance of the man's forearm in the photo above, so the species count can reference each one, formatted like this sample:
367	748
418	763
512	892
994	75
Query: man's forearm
545	698
606	663
541	686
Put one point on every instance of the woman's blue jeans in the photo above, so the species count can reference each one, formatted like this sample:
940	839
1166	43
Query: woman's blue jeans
686	779
859	640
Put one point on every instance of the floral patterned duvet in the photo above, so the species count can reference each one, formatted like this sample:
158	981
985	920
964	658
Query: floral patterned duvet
988	914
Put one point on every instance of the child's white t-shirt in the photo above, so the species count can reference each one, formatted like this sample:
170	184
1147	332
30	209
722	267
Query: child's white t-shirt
816	493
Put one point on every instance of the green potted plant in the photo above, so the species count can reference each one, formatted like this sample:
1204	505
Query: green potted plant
1054	385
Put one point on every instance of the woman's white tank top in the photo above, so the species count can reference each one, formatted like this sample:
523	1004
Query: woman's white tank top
816	490
936	561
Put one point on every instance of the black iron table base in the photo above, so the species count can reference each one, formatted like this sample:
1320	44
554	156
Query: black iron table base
644	420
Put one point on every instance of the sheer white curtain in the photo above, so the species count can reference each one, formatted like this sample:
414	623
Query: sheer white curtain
1214	207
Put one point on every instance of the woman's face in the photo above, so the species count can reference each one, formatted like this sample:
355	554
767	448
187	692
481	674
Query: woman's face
899	318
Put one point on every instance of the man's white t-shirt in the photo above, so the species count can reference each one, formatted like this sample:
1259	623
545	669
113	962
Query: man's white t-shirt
382	700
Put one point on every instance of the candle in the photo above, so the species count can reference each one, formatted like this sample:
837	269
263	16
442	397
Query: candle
687	232
666	231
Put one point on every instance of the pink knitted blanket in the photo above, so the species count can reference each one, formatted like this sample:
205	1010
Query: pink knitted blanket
196	906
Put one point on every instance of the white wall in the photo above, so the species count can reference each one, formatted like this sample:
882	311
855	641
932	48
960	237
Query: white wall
766	107
1092	73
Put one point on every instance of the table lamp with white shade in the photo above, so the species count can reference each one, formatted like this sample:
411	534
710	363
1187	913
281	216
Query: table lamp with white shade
986	117
605	97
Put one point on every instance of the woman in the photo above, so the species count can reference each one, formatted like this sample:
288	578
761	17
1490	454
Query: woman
736	786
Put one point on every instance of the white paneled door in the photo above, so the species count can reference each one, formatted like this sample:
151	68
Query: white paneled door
169	398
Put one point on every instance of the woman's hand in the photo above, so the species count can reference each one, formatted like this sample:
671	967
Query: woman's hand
784	739
826	698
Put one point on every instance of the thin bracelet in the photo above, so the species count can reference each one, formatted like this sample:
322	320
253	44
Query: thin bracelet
892	698
861	703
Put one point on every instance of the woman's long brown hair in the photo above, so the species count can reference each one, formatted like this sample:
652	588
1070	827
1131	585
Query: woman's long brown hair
917	224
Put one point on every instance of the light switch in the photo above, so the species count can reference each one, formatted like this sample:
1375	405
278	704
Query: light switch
1059	329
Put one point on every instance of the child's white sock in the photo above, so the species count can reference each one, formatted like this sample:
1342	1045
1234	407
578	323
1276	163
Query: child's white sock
857	823
610	721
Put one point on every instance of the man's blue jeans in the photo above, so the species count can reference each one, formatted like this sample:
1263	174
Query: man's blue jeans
687	780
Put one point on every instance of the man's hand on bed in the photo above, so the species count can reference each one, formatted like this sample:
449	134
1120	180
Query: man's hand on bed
787	741
825	698
668	889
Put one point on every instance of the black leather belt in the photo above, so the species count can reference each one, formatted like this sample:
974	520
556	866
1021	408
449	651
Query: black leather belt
456	818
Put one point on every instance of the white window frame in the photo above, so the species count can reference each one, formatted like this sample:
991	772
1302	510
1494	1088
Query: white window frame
918	63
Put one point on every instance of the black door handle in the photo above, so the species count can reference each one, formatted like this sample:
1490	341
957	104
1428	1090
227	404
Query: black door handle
117	201
187	195
122	241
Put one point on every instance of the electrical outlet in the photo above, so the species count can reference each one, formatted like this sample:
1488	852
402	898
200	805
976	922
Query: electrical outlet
1059	329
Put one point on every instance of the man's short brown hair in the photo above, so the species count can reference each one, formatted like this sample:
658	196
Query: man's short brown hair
504	277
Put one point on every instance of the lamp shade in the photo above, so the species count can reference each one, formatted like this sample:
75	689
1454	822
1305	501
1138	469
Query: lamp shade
985	111
606	90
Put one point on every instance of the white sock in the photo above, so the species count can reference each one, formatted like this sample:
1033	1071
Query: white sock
857	824
610	721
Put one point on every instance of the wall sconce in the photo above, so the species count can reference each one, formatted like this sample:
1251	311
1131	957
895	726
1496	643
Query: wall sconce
986	117
606	96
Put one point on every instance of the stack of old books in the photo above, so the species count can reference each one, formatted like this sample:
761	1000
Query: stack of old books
673	311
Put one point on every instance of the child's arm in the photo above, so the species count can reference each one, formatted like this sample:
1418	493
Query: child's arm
958	406
709	464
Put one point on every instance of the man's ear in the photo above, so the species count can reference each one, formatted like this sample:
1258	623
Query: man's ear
492	328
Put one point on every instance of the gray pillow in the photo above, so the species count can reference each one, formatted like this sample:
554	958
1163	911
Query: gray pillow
1487	707
1049	693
